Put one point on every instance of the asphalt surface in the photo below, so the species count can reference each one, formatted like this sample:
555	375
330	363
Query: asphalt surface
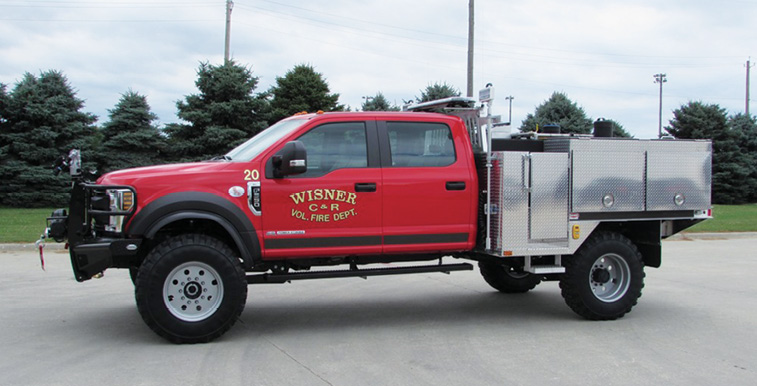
696	324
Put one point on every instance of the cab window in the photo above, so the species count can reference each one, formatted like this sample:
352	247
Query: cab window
420	144
335	146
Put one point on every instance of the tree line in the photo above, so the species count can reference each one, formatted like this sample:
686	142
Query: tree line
41	118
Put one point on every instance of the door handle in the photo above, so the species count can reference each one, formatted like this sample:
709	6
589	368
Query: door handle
365	187
455	185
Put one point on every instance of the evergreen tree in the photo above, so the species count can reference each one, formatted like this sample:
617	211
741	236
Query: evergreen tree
4	101
697	120
378	103
746	127
4	98
559	109
301	89
129	138
224	114
437	91
41	120
618	130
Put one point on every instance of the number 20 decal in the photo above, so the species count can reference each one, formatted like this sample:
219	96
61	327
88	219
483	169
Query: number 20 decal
251	175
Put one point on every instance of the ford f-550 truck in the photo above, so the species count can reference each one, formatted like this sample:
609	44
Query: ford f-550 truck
355	189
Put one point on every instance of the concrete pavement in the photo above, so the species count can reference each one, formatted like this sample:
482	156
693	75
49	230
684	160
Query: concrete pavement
696	324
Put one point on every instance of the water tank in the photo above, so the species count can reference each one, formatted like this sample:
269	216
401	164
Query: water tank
603	128
551	128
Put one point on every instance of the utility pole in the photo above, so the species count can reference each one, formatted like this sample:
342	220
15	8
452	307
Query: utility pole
510	117
660	78
748	66
470	48
229	6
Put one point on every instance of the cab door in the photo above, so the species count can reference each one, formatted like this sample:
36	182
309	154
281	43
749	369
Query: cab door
334	209
427	188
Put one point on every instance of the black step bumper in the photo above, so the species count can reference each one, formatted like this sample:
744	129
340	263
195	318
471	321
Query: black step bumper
95	256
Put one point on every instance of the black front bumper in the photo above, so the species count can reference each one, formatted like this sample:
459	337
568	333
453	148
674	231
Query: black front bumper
95	256
92	249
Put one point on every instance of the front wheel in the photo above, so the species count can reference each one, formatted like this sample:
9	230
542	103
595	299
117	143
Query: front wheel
604	279
191	289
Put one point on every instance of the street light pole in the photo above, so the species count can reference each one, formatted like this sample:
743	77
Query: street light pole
660	78
227	41
469	88
748	67
510	116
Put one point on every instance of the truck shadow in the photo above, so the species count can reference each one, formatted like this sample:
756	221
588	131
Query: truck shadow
408	311
456	313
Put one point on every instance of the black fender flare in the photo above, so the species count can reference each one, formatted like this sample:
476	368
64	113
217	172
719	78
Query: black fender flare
200	206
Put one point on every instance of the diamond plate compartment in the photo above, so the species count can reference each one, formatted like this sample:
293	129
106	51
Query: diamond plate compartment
549	196
679	180
608	181
510	218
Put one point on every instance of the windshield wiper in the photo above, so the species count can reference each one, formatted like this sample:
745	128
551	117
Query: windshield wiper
222	158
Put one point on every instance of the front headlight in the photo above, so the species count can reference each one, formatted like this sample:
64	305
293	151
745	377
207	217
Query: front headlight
121	200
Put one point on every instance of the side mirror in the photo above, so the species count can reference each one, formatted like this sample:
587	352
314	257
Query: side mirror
291	159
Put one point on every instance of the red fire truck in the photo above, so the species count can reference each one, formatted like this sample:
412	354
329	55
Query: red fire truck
328	195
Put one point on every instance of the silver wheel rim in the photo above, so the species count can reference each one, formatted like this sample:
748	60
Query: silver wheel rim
609	278
193	291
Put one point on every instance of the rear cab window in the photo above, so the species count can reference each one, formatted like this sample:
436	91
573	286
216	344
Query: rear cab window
420	144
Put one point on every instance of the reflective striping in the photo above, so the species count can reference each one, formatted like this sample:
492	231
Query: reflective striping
427	239
650	215
324	242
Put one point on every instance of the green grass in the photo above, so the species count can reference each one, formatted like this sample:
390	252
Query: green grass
729	218
25	225
22	225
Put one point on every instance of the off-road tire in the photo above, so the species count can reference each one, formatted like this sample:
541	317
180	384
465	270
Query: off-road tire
604	279
506	279
133	272
191	289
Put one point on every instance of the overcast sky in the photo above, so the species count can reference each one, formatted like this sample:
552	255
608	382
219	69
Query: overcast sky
602	54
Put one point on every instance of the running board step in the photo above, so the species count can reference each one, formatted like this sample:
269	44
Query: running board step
268	278
545	269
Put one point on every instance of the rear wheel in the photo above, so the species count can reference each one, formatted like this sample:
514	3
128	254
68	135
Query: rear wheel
507	279
191	289
604	279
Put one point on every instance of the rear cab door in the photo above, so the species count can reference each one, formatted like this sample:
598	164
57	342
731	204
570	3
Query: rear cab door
430	187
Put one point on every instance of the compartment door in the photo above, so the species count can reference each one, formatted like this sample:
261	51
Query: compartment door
549	188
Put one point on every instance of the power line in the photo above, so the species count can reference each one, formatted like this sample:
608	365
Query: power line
449	42
459	43
112	20
108	5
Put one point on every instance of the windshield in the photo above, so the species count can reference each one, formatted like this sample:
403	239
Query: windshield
250	149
